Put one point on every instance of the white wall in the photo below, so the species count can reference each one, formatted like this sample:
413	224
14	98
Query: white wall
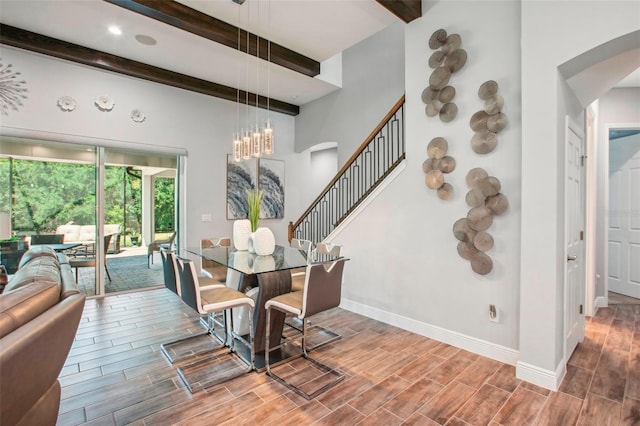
552	34
618	108
372	81
404	267
324	166
201	124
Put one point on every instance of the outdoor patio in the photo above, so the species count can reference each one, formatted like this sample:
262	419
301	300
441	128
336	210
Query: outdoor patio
128	270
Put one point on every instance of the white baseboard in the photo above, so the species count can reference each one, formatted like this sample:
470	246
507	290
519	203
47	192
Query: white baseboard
542	377
471	344
599	302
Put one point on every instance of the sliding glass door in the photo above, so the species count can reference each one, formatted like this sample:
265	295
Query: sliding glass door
104	204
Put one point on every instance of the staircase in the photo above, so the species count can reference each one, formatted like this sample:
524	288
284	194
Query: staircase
380	153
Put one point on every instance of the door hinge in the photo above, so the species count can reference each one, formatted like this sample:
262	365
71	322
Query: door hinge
581	235
580	309
582	159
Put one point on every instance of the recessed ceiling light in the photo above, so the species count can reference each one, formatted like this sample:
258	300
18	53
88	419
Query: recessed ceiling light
115	30
146	40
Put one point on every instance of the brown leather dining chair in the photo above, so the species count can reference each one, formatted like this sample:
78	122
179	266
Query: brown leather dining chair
321	292
90	261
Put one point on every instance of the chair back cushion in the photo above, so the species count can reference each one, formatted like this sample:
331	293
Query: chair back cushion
71	232
304	245
322	287
87	233
47	239
189	284
169	271
113	228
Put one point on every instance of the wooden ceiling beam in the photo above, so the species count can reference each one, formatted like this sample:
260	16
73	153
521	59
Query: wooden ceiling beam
185	18
39	43
407	10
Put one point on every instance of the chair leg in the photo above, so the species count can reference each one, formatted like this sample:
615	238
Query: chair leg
323	337
207	372
326	370
108	275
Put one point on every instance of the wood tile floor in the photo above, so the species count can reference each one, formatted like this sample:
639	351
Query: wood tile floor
116	374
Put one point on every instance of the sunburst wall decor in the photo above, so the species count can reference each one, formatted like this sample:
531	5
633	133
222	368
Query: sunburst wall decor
12	91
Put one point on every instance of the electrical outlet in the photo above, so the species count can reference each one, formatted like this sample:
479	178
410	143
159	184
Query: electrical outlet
206	217
494	313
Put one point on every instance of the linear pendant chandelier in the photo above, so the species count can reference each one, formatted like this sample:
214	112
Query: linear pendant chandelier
253	142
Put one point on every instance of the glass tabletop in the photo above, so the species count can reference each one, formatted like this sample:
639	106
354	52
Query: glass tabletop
283	258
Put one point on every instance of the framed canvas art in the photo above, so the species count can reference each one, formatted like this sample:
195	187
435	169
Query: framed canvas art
271	182
241	176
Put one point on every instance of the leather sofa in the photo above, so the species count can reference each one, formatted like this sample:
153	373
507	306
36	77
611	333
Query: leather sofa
40	310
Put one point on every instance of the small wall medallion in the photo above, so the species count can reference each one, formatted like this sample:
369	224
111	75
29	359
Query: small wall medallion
67	103
105	103
137	116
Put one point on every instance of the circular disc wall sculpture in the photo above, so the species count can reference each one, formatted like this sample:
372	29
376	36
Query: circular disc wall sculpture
438	96
489	121
436	166
485	201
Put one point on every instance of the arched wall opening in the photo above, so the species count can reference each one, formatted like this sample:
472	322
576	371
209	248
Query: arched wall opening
559	88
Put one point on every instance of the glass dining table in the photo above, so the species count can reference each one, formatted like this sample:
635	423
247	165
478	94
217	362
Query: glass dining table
271	275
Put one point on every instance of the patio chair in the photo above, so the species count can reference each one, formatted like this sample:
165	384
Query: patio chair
47	239
82	262
156	245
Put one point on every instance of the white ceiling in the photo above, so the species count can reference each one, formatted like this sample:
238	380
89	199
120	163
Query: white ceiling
318	29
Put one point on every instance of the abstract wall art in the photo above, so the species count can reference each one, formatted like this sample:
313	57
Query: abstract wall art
271	182
241	176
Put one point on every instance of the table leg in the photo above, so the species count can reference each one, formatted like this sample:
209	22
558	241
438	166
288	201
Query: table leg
271	284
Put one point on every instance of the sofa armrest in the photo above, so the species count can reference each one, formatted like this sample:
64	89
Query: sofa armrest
33	356
19	306
68	286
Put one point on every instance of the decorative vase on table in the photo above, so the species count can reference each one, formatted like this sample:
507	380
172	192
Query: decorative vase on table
241	232
262	242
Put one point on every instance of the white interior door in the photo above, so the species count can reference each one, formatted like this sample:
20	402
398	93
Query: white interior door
575	261
624	216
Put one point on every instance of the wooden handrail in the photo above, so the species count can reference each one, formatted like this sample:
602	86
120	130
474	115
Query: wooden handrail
350	161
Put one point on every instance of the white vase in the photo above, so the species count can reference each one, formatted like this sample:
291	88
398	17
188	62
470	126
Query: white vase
262	242
241	232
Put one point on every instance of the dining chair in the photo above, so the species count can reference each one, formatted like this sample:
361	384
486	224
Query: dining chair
210	268
47	239
156	245
210	300
321	292
297	275
322	252
203	342
90	261
169	271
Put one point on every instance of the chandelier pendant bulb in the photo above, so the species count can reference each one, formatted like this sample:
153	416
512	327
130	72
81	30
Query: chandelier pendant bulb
267	138
246	145
253	142
237	147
